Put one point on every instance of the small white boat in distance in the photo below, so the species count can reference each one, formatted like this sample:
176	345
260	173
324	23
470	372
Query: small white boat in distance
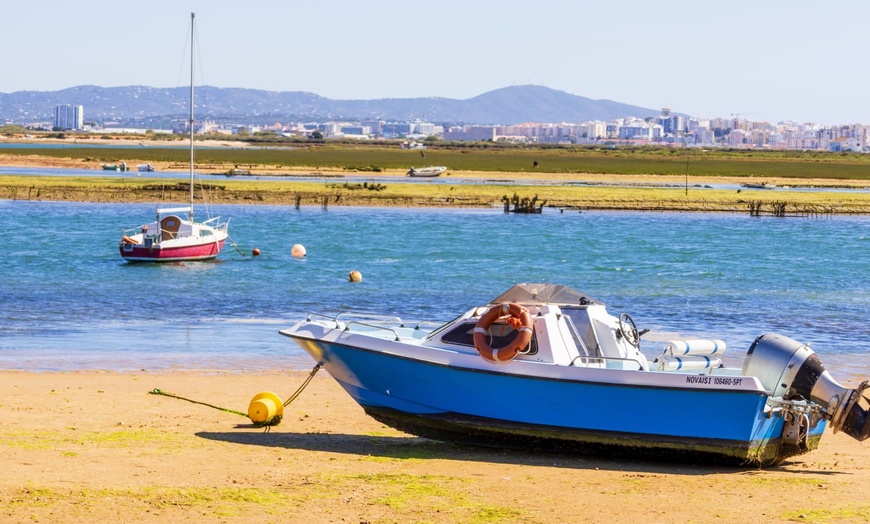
430	171
145	168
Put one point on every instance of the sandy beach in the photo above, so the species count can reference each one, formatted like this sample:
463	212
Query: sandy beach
96	446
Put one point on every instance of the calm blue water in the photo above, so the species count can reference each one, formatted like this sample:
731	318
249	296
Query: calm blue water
67	300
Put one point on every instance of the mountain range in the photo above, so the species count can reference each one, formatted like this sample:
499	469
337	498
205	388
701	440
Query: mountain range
153	107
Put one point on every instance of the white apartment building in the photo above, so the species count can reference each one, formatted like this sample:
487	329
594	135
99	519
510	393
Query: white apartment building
596	129
69	117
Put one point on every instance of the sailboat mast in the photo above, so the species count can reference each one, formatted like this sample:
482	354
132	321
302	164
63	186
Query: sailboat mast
192	54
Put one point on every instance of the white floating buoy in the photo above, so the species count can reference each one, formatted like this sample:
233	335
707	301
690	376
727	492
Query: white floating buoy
298	250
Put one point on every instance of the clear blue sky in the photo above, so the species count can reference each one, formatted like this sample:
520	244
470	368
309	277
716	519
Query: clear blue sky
765	59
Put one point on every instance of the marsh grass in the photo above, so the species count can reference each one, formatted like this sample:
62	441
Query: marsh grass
493	158
87	189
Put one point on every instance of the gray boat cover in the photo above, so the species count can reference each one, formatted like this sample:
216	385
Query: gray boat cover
545	294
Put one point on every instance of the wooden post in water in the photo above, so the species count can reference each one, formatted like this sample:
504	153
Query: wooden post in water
779	208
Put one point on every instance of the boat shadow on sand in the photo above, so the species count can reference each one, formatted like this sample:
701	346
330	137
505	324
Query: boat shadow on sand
410	447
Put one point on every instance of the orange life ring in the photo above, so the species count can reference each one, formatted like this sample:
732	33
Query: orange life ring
519	319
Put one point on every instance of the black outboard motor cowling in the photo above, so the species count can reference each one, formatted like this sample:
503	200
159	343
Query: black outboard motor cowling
791	370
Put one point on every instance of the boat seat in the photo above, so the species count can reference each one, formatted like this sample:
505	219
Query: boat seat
691	354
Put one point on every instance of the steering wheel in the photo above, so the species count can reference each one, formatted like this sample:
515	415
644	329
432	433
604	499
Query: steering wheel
628	329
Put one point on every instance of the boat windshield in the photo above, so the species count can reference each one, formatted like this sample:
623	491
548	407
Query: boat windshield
581	329
499	335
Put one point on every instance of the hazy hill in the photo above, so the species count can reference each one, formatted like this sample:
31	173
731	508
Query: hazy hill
157	107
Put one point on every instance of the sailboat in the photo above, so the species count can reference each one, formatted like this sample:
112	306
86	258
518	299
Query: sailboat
174	235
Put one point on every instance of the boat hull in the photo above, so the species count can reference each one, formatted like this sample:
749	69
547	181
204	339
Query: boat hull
493	408
157	253
479	431
427	172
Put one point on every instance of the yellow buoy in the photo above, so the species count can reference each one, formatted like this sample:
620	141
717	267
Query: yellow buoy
266	409
298	251
354	276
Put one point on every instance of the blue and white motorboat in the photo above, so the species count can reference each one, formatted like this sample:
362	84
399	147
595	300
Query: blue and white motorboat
544	366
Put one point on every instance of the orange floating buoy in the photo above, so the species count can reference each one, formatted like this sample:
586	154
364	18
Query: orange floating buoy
298	251
354	276
255	251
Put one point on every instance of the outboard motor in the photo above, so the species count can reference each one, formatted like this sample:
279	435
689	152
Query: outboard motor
792	370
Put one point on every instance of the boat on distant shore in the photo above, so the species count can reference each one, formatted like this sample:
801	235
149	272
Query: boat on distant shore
174	235
116	167
431	171
544	366
759	185
145	168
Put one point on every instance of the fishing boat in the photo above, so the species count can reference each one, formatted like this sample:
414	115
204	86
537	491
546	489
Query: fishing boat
145	168
174	235
431	171
115	167
545	366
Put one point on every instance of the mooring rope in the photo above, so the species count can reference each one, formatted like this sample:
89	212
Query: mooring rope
158	391
233	242
307	380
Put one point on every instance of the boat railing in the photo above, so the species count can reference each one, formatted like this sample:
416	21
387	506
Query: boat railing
358	317
433	323
373	326
373	318
219	224
326	317
587	359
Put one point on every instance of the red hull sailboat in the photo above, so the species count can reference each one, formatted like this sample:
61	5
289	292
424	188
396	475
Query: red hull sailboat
174	235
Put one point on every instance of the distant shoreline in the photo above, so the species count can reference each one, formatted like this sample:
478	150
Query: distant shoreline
583	191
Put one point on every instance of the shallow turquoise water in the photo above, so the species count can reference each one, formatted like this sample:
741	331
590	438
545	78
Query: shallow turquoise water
67	300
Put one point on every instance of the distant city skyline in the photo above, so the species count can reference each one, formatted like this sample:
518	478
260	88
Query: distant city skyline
772	61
